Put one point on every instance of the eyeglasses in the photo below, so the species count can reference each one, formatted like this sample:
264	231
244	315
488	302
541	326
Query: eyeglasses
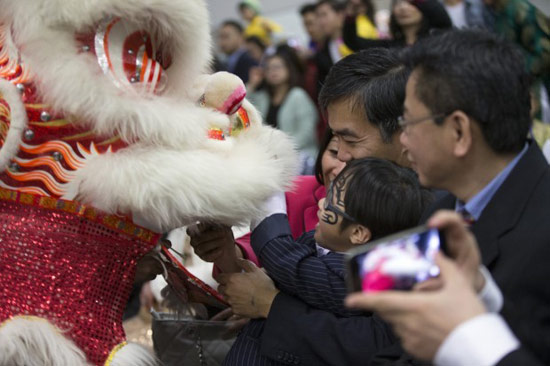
403	123
328	206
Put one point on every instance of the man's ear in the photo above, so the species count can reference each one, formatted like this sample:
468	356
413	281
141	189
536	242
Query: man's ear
461	125
359	235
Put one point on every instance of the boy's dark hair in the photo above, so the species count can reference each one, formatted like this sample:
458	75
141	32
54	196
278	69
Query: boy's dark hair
374	82
307	8
319	162
382	196
337	6
235	24
480	74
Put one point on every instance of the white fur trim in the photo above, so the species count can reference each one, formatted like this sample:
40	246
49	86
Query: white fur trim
73	83
18	122
26	341
170	189
253	114
134	355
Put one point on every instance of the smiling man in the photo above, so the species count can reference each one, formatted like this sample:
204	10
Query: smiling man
465	127
363	99
363	96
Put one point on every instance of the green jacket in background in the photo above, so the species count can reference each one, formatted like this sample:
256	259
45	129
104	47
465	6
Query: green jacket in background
523	23
297	117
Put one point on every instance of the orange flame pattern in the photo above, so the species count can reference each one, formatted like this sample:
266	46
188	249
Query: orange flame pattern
10	69
5	117
47	166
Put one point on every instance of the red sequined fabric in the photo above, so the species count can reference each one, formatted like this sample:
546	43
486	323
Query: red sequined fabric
75	272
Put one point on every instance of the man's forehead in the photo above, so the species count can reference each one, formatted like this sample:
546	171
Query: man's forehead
344	119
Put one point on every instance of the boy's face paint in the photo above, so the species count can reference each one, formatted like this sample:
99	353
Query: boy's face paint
328	233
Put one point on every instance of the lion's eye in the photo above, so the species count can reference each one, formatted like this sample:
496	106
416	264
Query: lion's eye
128	54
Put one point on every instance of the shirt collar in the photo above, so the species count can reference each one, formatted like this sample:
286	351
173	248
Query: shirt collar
477	204
321	251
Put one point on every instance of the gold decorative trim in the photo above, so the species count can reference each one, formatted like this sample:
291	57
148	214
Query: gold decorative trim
113	353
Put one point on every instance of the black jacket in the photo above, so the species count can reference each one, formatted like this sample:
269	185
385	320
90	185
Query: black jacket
513	233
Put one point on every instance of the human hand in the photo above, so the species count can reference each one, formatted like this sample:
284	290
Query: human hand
461	247
249	293
212	242
423	320
148	268
237	322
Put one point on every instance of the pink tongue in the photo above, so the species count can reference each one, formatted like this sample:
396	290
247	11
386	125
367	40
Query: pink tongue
234	101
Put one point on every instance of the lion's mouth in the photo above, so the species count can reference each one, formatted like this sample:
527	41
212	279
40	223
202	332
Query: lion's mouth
129	53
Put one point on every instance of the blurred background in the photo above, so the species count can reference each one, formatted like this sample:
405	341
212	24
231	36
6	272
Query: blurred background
284	12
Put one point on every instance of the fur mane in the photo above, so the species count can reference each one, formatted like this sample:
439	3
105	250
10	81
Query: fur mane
73	84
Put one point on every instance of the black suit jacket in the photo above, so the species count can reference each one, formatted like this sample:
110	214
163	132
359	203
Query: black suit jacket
519	357
513	233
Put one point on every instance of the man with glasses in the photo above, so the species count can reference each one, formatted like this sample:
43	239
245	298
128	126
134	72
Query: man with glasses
465	126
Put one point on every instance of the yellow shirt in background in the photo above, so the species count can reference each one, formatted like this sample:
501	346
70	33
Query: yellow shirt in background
262	28
365	28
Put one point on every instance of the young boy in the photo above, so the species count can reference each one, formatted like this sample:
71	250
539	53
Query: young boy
369	199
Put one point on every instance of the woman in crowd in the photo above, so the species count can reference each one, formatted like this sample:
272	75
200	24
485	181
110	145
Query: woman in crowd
364	11
409	21
283	103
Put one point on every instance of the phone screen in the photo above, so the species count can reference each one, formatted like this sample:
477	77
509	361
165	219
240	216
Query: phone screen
397	262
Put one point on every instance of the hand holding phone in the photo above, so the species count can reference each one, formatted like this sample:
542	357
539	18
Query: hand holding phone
396	262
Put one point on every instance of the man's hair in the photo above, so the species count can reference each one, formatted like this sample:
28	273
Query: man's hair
382	196
373	81
337	6
235	24
480	74
307	8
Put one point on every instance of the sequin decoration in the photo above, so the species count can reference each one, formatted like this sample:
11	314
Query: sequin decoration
77	273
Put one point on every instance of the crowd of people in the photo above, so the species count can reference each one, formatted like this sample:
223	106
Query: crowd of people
442	121
284	79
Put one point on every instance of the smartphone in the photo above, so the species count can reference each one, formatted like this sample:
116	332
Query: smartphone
396	262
